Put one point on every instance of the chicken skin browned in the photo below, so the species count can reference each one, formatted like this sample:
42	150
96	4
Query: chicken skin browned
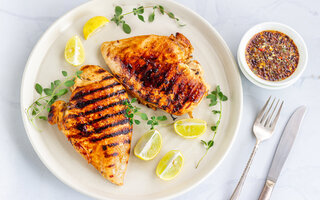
94	121
158	70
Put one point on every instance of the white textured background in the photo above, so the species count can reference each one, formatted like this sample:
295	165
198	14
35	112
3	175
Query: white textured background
23	176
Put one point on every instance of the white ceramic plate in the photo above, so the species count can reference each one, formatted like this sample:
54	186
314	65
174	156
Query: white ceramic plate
47	61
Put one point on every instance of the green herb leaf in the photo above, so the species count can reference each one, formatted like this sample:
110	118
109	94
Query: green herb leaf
144	116
213	103
78	74
69	83
224	98
140	10
141	18
43	118
171	15
216	111
151	17
52	86
47	91
162	118
64	73
218	89
126	28
137	121
204	142
62	92
38	88
210	144
213	128
118	10
38	103
149	122
57	82
133	100
161	9
34	112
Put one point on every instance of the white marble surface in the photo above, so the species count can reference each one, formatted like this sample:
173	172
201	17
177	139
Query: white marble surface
23	176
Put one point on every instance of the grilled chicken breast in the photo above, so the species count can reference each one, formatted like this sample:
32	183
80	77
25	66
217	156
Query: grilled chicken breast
158	70
94	122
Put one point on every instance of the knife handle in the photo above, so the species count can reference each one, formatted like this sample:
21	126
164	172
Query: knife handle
267	190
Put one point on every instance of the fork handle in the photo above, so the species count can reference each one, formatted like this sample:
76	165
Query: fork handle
237	190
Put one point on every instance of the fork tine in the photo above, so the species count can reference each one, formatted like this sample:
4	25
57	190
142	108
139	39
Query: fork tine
274	122
266	114
259	116
270	116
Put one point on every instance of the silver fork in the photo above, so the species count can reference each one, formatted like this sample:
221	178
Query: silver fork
263	128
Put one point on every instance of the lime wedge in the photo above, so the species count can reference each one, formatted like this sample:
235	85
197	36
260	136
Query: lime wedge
170	165
149	145
74	51
190	128
93	25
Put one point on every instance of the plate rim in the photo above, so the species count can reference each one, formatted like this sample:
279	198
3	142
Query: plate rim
90	194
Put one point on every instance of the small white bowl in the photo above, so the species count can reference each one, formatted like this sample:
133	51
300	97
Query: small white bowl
302	48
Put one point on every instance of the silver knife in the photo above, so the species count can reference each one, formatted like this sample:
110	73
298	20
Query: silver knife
283	150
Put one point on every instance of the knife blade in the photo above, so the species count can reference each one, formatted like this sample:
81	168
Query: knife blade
286	142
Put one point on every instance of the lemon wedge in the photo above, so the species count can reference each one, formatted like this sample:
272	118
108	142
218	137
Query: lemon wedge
149	145
190	128
74	51
170	165
93	25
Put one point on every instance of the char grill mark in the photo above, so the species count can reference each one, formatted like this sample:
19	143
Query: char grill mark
82	104
99	71
83	127
107	78
124	131
113	144
127	141
121	122
98	109
168	80
171	83
193	89
111	155
108	116
105	147
83	93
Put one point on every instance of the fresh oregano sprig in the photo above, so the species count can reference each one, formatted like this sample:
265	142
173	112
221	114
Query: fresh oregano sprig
118	17
48	96
132	111
154	121
215	97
